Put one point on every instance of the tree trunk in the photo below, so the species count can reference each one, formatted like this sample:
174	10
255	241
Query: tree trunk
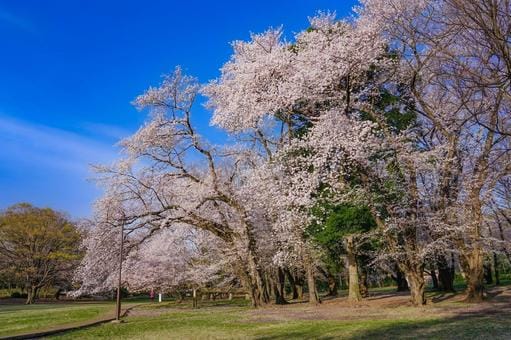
364	290
434	279
445	277
300	290
488	275
402	284
57	294
268	281
354	287
343	279
311	283
255	283
332	285
474	266
194	301
292	283
445	273
496	268
31	295
416	282
280	297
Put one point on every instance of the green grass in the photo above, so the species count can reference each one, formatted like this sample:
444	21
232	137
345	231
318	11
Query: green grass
231	323
224	319
235	320
16	319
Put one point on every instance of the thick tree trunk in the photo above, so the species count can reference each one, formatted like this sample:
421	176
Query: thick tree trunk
311	283
417	284
268	285
258	293
280	297
248	281
254	279
474	275
354	285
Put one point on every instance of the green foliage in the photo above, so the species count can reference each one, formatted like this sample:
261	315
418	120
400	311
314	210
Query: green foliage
18	295
340	221
38	247
334	222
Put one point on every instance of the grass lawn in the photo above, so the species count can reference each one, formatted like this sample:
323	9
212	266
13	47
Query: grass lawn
383	316
16	319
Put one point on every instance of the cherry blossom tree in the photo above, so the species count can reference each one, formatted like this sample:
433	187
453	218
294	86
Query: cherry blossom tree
403	109
455	57
171	176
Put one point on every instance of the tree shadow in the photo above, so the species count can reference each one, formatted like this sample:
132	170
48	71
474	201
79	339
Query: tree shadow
488	320
481	321
445	296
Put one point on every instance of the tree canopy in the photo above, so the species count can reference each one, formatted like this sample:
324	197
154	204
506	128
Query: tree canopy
38	247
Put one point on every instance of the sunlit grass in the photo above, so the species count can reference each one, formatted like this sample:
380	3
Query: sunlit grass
16	319
224	319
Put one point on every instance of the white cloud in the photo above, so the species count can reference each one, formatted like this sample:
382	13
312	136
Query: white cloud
110	132
46	146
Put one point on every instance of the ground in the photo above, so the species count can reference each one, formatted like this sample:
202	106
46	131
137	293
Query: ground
385	315
17	319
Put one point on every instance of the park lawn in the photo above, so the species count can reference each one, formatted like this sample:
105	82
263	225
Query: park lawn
19	319
445	320
230	324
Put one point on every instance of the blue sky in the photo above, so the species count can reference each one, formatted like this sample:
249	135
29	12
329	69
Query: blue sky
69	70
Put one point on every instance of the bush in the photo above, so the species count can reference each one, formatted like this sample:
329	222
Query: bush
18	295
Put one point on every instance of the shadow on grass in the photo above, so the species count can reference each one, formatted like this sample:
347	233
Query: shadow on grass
490	320
458	327
473	327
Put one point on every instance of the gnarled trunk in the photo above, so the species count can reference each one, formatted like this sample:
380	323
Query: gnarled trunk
416	282
474	275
